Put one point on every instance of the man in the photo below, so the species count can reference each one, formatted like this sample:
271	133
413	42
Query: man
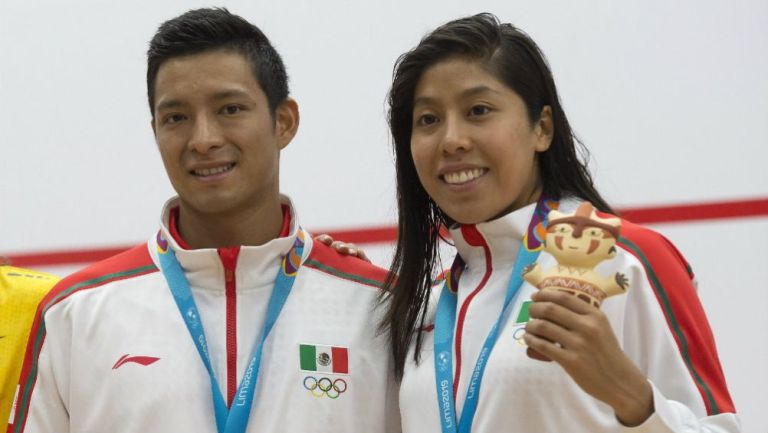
230	318
20	292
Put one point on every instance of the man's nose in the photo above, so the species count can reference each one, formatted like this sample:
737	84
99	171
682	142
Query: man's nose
206	135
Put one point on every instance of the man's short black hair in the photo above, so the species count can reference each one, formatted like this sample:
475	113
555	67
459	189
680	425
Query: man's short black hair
210	29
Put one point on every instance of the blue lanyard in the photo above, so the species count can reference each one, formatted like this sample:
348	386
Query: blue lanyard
445	321
235	419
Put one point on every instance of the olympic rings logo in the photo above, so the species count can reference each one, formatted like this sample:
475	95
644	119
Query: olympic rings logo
517	334
325	386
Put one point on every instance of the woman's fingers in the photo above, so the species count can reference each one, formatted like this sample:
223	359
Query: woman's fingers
564	299
343	248
324	239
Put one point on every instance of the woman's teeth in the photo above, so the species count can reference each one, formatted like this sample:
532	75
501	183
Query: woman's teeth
463	176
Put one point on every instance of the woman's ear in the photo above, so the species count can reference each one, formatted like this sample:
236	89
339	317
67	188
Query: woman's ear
545	129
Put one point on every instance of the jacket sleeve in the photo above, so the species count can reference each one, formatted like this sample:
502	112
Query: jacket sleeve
40	404
666	333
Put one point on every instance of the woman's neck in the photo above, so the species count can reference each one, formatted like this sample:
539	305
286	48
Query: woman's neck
529	198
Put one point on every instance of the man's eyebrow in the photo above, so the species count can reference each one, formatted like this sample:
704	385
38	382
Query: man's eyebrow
231	93
224	94
171	103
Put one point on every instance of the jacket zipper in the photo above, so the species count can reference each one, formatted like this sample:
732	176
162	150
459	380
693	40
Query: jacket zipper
228	258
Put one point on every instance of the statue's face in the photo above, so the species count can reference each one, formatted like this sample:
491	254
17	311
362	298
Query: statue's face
593	246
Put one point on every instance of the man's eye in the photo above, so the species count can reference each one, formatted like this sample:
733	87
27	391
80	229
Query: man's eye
426	119
479	110
232	109
174	118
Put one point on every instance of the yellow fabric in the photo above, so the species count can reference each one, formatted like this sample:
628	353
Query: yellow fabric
20	292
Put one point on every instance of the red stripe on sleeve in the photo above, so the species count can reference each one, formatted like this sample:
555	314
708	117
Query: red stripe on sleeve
129	264
28	377
668	274
353	266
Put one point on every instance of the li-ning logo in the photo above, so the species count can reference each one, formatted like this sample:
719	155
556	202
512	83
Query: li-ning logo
325	387
141	360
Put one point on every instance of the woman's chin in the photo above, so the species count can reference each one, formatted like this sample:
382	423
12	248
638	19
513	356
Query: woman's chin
477	216
470	216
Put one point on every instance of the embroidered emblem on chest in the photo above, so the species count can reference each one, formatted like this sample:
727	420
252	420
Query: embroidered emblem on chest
518	329
141	360
324	363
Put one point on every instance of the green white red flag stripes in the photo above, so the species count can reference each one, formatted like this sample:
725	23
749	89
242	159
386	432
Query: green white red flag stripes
324	359
132	263
670	277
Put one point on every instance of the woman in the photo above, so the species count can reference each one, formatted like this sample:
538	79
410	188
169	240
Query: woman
484	148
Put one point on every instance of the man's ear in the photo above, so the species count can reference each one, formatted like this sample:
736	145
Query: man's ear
286	122
545	129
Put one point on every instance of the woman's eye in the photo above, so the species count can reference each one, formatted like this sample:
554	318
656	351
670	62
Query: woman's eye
479	110
426	119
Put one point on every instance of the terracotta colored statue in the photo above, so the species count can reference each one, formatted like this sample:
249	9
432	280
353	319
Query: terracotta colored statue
579	242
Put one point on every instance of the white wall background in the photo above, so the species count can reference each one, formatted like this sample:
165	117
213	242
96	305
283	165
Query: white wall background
670	97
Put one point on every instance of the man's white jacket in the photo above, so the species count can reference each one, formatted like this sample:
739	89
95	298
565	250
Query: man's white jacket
109	351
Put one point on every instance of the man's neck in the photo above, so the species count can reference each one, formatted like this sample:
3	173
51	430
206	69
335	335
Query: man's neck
252	227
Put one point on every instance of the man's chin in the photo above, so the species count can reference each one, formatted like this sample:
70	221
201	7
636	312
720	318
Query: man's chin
211	205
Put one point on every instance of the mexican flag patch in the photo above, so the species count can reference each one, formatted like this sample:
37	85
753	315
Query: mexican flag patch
326	359
524	316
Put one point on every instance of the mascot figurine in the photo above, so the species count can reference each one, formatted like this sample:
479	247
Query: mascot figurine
579	241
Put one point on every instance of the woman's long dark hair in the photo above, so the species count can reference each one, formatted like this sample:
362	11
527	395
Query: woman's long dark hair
514	59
